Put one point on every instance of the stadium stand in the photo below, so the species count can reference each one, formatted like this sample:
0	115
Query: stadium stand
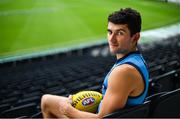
22	83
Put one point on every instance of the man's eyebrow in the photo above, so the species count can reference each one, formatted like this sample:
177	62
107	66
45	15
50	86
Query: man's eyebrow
120	30
117	30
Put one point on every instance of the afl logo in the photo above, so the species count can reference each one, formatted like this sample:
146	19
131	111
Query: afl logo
88	101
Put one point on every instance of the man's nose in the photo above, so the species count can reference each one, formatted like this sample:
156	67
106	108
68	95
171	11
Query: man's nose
112	37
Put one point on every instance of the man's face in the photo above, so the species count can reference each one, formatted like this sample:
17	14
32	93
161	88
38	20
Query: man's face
119	38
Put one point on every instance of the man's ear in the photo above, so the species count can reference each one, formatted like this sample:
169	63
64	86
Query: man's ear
136	37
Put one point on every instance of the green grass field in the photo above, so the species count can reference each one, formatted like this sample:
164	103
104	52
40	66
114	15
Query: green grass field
34	25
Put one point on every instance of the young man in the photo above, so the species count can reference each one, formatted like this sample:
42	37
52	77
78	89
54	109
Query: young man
127	82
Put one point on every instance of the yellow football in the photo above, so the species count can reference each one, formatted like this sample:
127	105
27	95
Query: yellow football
86	100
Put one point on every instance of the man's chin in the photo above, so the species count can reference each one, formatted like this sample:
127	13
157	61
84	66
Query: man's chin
119	52
112	52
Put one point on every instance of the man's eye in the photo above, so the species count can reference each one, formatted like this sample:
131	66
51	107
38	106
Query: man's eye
120	33
109	32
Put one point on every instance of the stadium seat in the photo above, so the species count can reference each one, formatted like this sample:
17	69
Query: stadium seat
156	70
37	115
139	111
154	96
171	65
26	110
4	107
162	83
177	78
166	105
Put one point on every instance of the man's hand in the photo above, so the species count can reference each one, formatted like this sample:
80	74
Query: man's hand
65	106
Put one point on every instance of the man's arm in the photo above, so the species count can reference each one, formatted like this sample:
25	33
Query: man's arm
122	81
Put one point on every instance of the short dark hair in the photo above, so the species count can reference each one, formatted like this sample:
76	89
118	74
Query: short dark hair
127	16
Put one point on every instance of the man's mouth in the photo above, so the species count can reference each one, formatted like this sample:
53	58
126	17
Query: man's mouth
114	45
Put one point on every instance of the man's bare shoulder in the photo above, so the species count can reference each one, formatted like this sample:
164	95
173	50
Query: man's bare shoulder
124	70
124	76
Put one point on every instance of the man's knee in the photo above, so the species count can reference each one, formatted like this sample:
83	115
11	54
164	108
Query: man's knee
44	102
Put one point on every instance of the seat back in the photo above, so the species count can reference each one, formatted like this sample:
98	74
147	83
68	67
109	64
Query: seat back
166	105
154	96
162	83
139	111
177	78
21	111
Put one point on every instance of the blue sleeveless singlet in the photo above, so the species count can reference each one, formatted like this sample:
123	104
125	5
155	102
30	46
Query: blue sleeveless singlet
136	60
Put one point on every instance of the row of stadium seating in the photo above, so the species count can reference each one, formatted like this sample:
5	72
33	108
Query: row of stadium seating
22	83
159	105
